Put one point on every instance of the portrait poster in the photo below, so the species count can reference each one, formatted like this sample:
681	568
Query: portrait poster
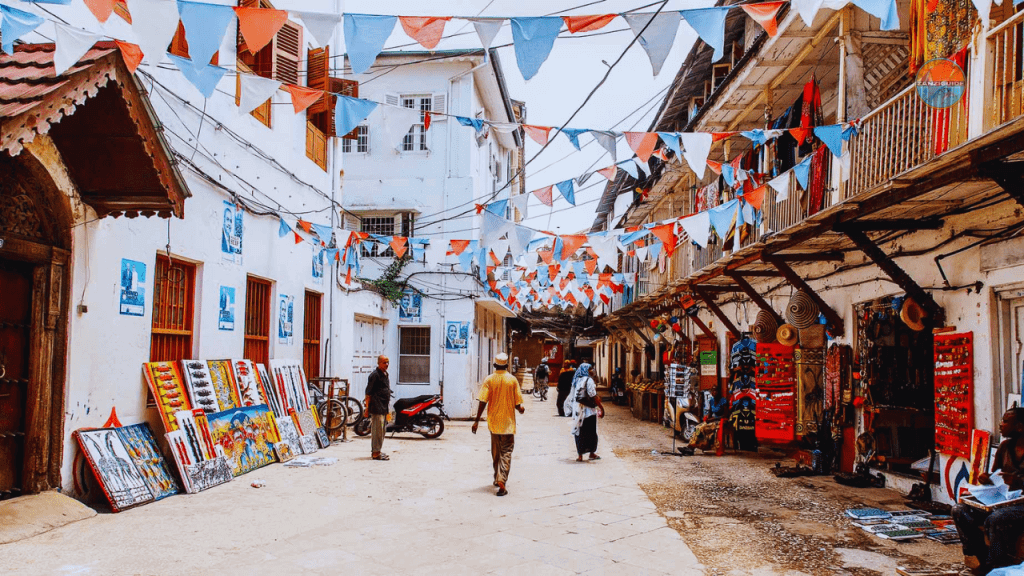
285	317
226	314
410	307
318	265
231	233
456	337
133	288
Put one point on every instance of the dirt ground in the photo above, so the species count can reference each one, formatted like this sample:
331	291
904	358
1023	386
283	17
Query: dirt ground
739	519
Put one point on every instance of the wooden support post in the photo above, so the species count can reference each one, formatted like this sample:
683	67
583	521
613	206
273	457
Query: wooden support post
638	330
936	315
835	321
710	302
755	296
700	324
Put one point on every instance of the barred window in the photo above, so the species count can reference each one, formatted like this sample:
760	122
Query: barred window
416	139
362	143
414	355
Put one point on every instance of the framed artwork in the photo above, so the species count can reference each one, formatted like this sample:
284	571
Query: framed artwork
223	380
308	444
306	422
321	437
198	474
200	385
145	454
268	388
246	435
286	430
168	388
247	383
122	483
283	451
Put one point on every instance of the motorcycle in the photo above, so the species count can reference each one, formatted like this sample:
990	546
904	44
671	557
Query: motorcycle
411	415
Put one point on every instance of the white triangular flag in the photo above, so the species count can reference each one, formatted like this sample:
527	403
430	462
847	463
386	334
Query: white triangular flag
397	122
781	185
435	253
698	228
487	29
72	44
696	147
521	203
505	127
255	91
606	250
500	248
320	25
154	23
659	36
807	9
607	141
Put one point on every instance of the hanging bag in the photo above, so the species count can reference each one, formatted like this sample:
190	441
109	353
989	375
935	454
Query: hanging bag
586	399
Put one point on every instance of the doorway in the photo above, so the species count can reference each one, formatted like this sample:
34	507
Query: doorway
15	332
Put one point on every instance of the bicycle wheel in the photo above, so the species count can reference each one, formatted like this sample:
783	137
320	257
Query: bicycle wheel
362	428
333	413
354	408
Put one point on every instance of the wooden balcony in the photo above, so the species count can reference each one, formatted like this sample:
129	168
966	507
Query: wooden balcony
1007	55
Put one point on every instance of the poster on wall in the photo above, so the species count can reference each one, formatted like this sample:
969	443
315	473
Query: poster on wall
456	339
226	314
409	310
285	314
133	288
318	265
231	234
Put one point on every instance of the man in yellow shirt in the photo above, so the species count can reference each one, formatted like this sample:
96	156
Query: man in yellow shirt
501	396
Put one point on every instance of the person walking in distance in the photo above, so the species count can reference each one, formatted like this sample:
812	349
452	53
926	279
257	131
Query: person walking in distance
540	380
501	396
378	398
584	405
565	378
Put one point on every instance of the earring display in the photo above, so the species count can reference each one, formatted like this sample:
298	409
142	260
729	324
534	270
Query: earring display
954	402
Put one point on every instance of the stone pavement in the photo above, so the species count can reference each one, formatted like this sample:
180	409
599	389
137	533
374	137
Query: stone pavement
430	510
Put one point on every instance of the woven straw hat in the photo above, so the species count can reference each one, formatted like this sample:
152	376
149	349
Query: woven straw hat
813	337
765	327
802	312
786	335
912	315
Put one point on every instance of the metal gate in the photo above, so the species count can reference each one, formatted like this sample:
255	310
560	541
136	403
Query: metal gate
15	333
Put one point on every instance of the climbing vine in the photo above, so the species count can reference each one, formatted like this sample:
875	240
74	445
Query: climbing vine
388	285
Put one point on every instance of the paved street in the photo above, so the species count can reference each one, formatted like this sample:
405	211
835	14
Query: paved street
431	509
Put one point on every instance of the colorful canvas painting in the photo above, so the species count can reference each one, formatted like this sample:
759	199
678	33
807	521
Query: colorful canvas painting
268	388
223	380
291	384
200	385
299	382
145	454
198	474
286	429
306	422
112	465
168	389
246	435
308	444
283	451
247	383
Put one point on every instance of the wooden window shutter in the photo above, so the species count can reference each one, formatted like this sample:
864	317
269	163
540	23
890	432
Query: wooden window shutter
287	56
438	107
318	72
391	100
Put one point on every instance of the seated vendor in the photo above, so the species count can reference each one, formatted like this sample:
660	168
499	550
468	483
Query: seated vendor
1003	526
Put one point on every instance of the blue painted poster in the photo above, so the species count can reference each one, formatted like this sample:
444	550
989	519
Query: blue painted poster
318	265
133	288
456	337
226	313
231	233
285	317
410	308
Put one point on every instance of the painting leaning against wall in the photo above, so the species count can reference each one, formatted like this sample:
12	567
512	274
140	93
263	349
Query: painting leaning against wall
247	436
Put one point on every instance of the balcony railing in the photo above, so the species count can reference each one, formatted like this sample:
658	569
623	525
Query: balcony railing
1004	43
901	134
777	216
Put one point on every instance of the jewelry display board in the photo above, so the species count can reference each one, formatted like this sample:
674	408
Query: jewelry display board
776	394
954	386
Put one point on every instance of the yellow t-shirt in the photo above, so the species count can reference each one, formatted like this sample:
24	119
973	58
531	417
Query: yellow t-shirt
501	393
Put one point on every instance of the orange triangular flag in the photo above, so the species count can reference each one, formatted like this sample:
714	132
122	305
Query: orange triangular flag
258	26
570	298
716	136
457	247
538	134
494	258
587	23
755	197
546	255
479	208
101	9
553	270
426	120
591	265
399	244
427	30
298	238
608	172
571	243
563	283
131	53
303	97
800	134
604	279
667	234
660	154
306	226
642	143
607	301
348	276
589	292
545	195
764	14
716	167
113	421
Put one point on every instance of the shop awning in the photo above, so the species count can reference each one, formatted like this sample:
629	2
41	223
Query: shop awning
101	122
495	306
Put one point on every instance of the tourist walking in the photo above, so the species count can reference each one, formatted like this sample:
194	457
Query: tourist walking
378	398
564	385
501	396
584	405
540	379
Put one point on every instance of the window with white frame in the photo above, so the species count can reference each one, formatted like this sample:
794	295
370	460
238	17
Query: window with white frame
362	144
416	139
414	355
400	224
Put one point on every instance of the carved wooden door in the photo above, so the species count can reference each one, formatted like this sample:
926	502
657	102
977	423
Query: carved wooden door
15	332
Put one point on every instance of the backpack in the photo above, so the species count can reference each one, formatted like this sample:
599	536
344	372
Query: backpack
542	371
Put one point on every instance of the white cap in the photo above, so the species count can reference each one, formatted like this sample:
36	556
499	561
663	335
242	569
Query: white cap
501	359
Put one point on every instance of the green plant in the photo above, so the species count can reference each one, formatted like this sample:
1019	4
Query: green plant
388	285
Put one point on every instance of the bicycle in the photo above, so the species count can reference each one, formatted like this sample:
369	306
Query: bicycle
335	411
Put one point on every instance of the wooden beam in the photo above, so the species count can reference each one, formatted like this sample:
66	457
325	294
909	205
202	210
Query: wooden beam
898	224
809	257
835	321
936	315
638	330
710	302
758	273
719	288
755	297
700	324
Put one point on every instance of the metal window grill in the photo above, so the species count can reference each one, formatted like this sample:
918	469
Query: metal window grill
414	355
257	321
382	225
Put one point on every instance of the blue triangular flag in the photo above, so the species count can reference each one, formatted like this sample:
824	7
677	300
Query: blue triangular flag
655	251
203	76
579	268
558	250
709	23
14	24
832	136
565	187
498	207
533	39
475	123
852	130
574	135
729	173
884	10
330	254
671	139
629	238
349	112
205	25
365	36
283	229
756	136
629	167
802	170
324	232
721	217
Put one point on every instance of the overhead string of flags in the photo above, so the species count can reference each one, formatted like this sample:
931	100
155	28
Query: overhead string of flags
573	263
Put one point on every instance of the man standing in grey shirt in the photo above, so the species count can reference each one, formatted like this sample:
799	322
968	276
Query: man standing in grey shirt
378	398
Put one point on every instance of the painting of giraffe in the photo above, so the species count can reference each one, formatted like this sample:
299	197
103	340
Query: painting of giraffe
111	462
146	455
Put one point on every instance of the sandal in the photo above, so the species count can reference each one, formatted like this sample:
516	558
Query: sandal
595	457
381	456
